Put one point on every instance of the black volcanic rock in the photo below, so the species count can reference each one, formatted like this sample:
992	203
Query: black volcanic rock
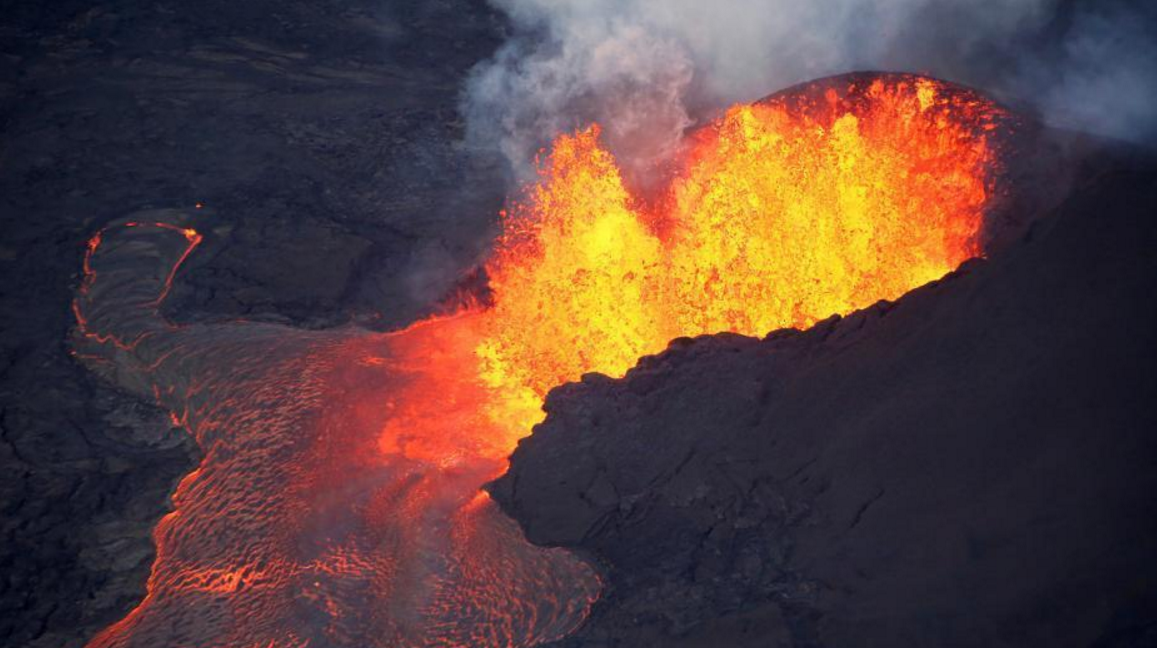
973	465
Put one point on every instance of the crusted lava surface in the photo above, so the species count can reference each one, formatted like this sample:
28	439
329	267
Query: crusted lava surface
318	139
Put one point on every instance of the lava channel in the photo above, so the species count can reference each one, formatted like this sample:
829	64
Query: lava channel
339	499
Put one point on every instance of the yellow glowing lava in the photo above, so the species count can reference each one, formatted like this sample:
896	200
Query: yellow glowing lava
782	214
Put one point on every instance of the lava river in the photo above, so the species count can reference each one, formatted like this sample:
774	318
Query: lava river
338	502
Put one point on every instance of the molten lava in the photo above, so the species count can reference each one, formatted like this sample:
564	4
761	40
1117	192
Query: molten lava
783	213
338	503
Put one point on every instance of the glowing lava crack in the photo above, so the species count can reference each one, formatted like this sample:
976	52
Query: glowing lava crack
338	501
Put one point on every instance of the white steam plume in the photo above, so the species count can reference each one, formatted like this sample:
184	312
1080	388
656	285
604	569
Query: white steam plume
646	69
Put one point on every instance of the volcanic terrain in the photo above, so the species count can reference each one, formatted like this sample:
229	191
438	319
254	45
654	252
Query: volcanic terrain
268	347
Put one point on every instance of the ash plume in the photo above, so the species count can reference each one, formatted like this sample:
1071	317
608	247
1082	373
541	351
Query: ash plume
647	69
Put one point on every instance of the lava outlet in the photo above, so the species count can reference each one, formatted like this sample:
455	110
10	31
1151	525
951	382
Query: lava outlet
338	501
812	203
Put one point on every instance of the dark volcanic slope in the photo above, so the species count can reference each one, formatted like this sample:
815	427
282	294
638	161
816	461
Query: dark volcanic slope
975	465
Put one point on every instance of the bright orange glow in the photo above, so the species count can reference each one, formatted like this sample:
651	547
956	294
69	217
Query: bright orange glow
783	213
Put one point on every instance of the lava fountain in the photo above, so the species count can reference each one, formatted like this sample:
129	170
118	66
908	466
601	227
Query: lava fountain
339	501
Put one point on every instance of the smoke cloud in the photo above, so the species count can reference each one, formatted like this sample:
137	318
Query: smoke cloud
647	69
